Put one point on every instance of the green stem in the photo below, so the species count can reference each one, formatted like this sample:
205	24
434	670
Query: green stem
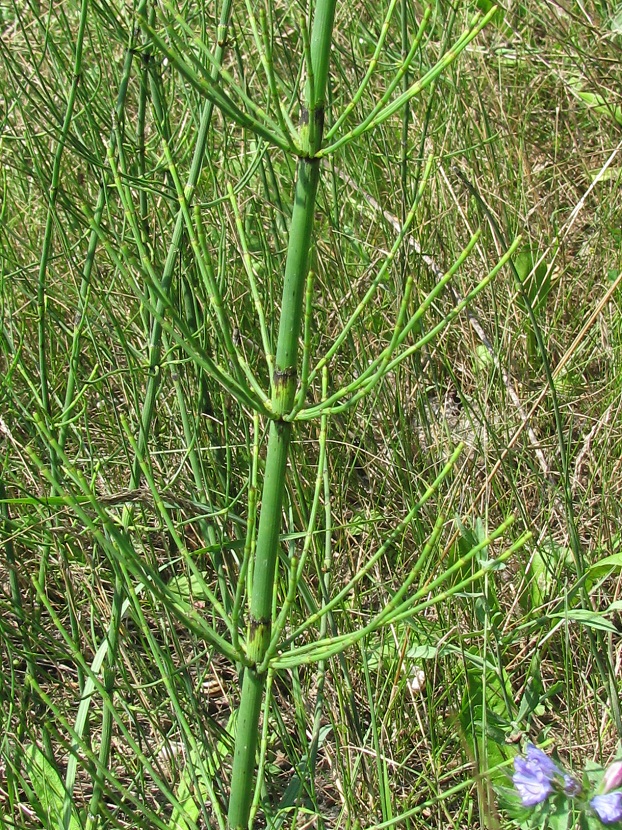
283	393
284	388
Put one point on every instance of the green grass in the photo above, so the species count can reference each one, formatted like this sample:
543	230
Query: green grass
135	407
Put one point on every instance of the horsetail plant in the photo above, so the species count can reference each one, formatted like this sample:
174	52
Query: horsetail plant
260	646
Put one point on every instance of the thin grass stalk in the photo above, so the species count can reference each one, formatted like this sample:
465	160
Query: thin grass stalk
380	761
46	253
46	247
325	576
85	282
283	393
249	543
206	528
145	76
306	341
248	267
155	345
271	187
109	677
404	159
14	585
263	755
287	127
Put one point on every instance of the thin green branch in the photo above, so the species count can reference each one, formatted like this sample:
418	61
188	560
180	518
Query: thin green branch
381	115
373	63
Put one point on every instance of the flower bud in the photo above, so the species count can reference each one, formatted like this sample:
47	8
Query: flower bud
613	777
572	787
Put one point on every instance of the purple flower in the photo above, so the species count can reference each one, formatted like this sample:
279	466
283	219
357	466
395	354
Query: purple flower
536	774
608	807
533	776
613	777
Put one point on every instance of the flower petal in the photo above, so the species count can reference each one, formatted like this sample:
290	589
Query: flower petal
608	807
530	782
541	759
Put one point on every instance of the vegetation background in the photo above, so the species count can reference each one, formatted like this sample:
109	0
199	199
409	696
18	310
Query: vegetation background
135	352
